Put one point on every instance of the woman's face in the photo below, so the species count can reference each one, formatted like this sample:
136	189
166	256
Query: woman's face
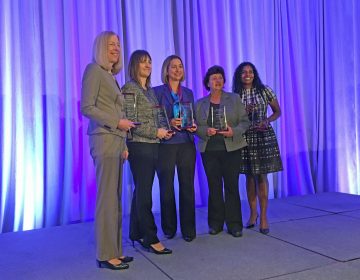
216	82
175	70
113	49
145	67
247	76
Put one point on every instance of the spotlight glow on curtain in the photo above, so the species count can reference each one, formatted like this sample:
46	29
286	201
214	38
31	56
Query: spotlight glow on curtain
306	50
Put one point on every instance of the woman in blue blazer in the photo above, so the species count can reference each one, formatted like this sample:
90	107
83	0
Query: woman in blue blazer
221	120
177	152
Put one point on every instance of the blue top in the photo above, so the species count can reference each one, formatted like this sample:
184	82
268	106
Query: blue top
165	97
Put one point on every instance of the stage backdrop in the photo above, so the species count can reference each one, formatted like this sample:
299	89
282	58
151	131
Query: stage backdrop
306	50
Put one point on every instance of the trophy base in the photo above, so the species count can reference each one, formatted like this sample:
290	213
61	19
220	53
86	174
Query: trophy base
222	130
187	127
259	129
137	123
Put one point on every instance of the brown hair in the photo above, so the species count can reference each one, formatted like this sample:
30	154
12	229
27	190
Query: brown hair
133	68
165	68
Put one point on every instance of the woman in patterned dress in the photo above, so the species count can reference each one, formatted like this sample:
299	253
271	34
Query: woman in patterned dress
262	155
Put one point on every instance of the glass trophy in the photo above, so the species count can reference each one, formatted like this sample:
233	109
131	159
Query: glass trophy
186	113
218	118
254	117
161	118
131	107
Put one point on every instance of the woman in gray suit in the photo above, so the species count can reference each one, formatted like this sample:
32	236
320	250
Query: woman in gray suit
102	103
222	120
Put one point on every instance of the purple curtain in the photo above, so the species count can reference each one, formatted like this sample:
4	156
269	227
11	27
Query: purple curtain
306	50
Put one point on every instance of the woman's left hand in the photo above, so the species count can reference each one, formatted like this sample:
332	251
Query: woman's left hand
263	125
226	133
125	155
193	128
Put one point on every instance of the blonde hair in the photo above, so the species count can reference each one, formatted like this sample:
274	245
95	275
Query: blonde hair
165	68
100	54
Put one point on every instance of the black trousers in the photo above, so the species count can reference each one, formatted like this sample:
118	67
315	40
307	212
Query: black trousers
222	171
142	159
181	156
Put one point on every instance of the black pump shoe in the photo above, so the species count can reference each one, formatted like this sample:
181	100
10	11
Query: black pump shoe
126	259
188	238
264	230
164	251
140	241
213	231
248	225
236	232
106	264
170	236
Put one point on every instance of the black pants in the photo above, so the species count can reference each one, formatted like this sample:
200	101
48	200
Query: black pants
223	167
181	156
142	159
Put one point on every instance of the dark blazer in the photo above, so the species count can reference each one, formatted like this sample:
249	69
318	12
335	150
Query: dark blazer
236	117
163	95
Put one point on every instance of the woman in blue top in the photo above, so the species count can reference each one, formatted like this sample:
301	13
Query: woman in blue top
178	151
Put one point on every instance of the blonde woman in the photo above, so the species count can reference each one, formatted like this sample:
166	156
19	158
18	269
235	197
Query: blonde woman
102	103
178	152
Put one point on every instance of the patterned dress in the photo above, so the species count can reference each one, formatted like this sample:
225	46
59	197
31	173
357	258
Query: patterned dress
262	154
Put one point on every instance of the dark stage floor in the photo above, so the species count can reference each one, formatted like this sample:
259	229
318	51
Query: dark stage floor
311	237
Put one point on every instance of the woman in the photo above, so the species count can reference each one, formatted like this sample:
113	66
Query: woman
262	155
178	151
102	103
143	152
221	120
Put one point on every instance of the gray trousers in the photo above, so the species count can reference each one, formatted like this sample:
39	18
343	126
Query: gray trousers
106	152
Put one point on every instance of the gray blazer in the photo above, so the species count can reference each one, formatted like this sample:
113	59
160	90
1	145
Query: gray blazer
236	117
146	102
101	101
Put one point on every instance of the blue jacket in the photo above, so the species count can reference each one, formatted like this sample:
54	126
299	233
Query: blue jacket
163	95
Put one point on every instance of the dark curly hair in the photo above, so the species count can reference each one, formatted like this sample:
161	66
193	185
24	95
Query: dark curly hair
216	69
237	85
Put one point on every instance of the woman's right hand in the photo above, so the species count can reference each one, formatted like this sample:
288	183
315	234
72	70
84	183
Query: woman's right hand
211	131
125	124
163	133
176	123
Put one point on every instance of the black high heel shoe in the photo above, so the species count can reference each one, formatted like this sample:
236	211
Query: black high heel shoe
164	251
140	241
106	264
248	225
170	236
264	230
214	231
126	259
